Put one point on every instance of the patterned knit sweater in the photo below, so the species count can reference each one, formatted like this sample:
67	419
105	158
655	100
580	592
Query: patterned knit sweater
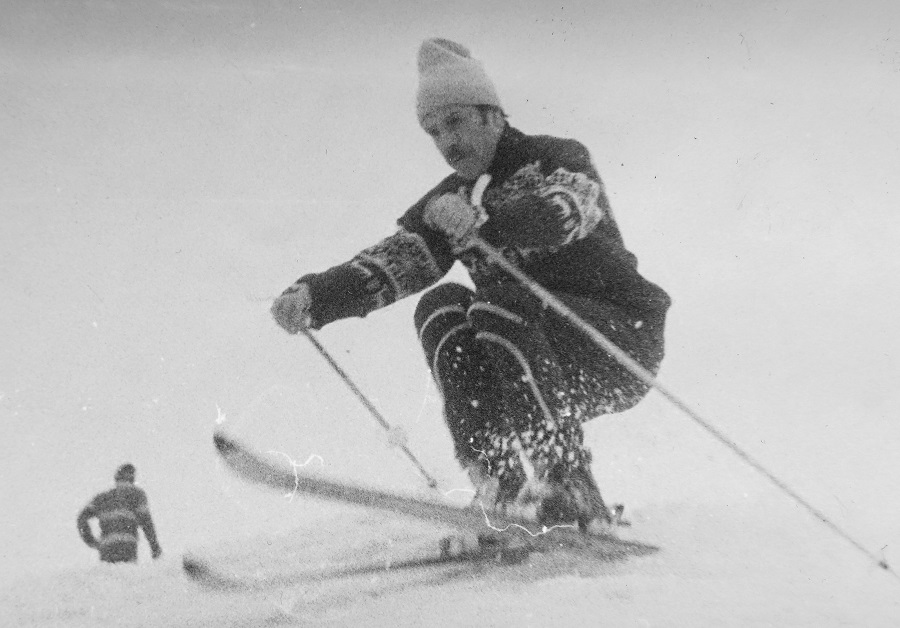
121	510
547	212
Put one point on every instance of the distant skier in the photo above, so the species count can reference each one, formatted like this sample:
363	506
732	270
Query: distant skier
120	511
517	380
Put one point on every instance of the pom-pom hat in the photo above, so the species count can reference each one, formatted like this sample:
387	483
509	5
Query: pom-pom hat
448	75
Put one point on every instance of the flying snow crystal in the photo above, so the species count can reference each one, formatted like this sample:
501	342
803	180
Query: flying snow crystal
221	415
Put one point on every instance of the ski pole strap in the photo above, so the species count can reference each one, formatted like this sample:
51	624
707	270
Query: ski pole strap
495	256
432	483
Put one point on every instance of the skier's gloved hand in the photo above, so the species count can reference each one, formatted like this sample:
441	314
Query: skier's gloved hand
453	215
291	309
157	552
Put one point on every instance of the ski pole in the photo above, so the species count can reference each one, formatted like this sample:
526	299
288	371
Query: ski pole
494	255
432	483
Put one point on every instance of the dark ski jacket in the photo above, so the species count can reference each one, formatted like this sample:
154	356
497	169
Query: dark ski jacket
121	511
548	213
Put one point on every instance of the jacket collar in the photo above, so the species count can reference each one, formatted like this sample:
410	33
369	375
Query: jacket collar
509	151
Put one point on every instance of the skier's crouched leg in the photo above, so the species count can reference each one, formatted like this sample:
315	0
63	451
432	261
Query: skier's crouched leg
537	452
544	454
456	364
440	311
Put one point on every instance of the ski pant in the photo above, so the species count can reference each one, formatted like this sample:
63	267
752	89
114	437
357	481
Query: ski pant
518	380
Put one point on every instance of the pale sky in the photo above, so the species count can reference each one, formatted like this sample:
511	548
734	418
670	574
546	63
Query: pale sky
167	168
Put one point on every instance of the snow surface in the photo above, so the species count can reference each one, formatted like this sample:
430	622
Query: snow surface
752	564
167	168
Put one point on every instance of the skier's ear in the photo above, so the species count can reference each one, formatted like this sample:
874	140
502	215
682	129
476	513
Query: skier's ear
493	117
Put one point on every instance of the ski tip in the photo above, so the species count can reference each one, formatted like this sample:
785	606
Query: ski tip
222	442
193	567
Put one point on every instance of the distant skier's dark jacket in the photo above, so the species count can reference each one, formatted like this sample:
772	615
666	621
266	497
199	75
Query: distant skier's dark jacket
547	211
120	510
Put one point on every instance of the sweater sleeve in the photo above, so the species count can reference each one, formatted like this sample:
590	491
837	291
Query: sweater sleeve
396	267
142	513
553	201
84	526
404	263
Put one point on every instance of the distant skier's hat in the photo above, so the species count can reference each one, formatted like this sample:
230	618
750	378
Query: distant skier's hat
448	75
125	473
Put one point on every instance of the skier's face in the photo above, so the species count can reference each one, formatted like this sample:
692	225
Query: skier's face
465	137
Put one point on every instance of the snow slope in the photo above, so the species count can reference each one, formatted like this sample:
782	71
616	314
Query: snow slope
760	563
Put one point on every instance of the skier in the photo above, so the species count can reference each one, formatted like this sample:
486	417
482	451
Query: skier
120	510
517	380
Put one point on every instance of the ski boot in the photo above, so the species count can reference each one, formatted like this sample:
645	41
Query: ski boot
574	498
494	499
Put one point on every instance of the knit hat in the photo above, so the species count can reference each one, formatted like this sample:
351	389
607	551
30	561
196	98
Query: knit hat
448	75
125	473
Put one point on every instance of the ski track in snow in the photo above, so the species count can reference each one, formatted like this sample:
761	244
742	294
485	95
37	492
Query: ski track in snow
759	564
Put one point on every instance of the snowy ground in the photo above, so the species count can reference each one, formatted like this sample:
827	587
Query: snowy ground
759	564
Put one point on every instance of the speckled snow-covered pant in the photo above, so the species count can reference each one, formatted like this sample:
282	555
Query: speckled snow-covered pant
518	380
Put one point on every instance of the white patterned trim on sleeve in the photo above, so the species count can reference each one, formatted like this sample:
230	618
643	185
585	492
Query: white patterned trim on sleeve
404	261
575	196
573	192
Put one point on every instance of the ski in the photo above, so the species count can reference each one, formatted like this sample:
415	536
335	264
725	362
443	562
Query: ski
500	540
254	467
206	575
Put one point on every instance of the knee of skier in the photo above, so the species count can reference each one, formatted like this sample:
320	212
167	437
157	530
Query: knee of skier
445	298
509	301
622	395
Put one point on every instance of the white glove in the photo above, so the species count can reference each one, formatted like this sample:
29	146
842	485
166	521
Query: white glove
291	309
451	214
